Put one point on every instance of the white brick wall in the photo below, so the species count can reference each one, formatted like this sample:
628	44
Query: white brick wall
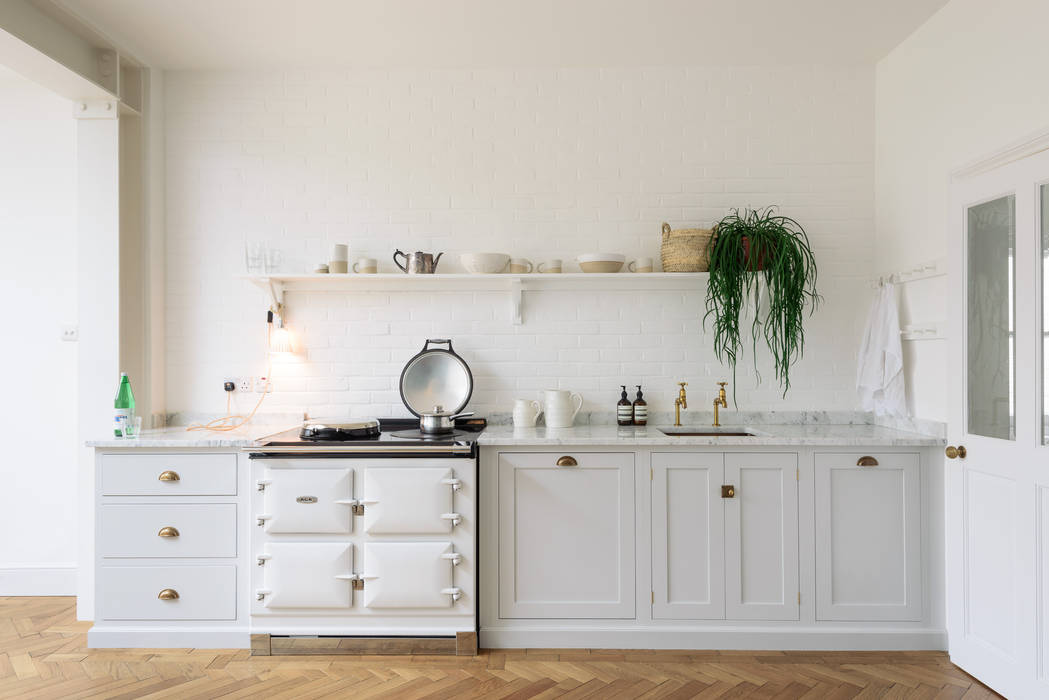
538	163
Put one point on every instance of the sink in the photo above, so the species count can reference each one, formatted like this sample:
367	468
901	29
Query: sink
685	432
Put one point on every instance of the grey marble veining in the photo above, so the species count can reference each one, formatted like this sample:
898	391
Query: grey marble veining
813	434
179	437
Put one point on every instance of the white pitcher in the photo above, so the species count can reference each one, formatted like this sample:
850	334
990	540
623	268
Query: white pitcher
526	412
561	407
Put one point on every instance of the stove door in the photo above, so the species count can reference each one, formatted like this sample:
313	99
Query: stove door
409	500
409	575
308	501
307	575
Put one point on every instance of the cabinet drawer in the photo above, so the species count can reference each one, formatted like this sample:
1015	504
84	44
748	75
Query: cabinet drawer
132	592
198	530
197	475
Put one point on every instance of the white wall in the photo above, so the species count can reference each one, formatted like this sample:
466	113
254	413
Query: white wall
536	163
967	83
38	280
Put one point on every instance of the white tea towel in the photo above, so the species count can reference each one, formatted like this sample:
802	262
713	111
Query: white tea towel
879	377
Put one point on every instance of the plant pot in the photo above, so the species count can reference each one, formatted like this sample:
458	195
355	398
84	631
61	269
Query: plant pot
754	263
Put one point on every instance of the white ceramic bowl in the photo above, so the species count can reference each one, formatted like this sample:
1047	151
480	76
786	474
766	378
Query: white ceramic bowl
484	263
601	262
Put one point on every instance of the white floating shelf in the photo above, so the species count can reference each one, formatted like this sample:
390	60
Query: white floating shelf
280	284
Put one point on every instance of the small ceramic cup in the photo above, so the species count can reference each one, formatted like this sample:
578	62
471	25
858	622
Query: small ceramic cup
552	265
521	266
366	266
640	265
526	412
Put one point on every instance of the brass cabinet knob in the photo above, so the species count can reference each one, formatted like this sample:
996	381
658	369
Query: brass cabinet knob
168	594
728	491
168	476
168	531
567	461
866	461
953	452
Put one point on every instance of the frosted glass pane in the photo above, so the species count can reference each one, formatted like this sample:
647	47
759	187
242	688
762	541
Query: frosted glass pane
991	319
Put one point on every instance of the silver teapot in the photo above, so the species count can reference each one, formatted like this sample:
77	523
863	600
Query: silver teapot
418	263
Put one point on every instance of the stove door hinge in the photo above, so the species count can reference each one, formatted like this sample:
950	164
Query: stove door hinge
261	519
261	593
454	517
261	484
356	581
262	559
455	593
356	505
456	484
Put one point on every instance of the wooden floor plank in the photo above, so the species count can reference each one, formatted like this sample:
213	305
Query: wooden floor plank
44	654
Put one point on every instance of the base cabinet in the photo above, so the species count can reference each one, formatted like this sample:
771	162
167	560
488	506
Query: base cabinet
566	535
724	536
868	537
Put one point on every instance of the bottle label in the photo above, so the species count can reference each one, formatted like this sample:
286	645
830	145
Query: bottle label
120	417
640	413
625	413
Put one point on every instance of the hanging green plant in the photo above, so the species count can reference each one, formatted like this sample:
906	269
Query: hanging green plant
749	248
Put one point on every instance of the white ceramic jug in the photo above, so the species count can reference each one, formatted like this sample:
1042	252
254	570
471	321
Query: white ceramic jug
526	412
561	407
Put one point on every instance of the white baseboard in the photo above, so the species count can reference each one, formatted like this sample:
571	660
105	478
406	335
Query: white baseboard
38	580
798	639
168	638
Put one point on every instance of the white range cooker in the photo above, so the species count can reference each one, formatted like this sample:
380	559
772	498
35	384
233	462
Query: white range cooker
367	530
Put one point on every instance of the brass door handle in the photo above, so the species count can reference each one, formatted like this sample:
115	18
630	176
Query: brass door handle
866	461
728	491
953	452
168	476
168	531
567	461
168	594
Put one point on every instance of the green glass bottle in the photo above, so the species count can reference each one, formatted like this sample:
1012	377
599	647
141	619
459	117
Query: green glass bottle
123	404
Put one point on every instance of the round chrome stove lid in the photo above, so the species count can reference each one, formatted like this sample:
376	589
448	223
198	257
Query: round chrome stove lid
322	429
436	377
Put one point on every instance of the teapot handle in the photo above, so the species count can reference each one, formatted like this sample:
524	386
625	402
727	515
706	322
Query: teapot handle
403	268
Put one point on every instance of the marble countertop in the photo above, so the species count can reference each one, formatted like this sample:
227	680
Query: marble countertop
855	435
178	436
763	435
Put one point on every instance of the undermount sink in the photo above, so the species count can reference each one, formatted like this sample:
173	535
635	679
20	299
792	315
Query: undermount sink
685	432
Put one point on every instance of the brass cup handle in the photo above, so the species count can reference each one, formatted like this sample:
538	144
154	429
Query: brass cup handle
953	452
866	461
168	594
168	476
567	461
168	531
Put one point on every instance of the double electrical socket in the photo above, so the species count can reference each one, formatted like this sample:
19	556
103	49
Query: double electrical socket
260	385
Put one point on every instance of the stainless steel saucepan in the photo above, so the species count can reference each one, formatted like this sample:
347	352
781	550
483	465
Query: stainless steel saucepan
438	421
436	385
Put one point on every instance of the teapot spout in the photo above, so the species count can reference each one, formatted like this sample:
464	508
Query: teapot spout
437	258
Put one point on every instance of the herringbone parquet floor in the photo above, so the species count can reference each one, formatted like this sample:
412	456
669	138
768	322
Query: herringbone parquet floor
43	654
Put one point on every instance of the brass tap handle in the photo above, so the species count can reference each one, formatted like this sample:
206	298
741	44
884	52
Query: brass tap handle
683	384
168	531
722	384
168	594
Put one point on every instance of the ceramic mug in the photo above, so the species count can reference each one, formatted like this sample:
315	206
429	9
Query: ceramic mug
561	407
339	253
520	266
366	266
551	265
640	265
526	412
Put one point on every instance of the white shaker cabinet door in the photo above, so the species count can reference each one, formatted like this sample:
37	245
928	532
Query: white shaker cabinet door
566	535
408	500
761	537
868	538
688	538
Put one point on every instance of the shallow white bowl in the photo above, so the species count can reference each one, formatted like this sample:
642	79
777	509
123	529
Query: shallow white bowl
600	262
484	263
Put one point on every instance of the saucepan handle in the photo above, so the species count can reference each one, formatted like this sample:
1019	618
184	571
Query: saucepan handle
437	341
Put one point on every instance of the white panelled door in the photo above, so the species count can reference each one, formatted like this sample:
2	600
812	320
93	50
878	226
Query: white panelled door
997	502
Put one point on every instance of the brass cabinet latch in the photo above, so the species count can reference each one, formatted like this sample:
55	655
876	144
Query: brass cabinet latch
728	491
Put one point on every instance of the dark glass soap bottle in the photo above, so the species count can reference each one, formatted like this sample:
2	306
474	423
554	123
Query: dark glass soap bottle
624	409
640	408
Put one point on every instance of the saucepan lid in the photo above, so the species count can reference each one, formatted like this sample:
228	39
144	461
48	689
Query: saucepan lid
436	377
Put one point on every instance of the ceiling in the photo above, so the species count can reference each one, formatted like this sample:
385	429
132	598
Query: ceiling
191	34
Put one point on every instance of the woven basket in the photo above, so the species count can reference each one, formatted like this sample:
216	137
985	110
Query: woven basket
686	249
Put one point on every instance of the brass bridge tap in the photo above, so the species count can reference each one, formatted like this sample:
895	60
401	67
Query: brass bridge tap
679	403
722	401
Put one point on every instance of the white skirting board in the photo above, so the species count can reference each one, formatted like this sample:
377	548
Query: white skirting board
38	580
168	638
795	639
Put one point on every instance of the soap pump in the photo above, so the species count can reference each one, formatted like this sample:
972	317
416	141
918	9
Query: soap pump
624	409
640	408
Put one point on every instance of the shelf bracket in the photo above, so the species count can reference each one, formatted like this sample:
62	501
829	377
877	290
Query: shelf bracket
276	290
516	300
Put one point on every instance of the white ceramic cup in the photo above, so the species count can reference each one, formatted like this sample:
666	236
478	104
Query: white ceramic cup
640	265
526	412
366	266
551	265
560	407
521	266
